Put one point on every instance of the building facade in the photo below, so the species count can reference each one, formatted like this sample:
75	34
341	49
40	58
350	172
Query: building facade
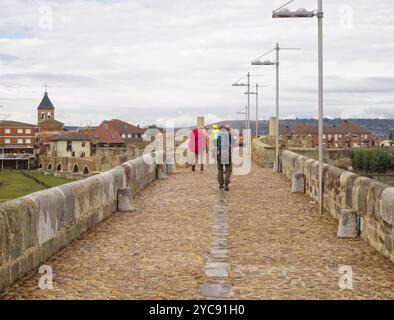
104	137
17	141
345	135
130	134
70	144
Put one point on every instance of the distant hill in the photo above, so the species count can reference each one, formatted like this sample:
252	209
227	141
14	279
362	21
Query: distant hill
376	126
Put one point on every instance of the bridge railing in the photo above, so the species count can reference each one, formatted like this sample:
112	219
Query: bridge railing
371	200
35	227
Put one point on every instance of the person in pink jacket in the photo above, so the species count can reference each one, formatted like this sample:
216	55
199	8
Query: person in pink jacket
198	145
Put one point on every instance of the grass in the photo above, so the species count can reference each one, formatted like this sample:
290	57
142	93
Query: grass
13	184
49	180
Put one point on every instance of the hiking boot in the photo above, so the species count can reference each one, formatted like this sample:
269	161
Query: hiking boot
202	167
220	186
226	188
193	168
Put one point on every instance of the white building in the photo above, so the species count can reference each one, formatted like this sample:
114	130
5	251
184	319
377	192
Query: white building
71	144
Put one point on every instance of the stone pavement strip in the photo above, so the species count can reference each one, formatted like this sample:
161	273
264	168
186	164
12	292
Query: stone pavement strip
188	240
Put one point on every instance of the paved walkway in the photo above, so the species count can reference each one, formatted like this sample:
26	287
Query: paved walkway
186	234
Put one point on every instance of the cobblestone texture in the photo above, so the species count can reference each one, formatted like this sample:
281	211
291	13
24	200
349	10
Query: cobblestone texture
278	247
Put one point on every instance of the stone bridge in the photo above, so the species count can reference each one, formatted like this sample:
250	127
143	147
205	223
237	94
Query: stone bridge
185	239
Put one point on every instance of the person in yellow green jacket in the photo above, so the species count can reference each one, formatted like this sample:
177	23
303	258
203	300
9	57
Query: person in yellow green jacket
214	138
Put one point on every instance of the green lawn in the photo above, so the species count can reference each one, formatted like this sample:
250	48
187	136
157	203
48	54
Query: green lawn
14	184
49	180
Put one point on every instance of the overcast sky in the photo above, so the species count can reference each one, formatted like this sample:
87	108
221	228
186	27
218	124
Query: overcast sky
148	61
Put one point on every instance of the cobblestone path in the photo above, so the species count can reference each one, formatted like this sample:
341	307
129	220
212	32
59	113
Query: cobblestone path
277	247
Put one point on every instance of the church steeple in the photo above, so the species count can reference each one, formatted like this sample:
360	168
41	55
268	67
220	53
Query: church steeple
46	115
46	102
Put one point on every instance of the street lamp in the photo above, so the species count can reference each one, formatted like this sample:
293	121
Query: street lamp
257	106
240	84
257	62
303	13
257	97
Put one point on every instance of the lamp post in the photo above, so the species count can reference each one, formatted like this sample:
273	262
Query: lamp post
245	113
258	62
240	84
256	93
303	13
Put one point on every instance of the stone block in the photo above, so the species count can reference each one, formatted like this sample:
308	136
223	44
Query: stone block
51	206
161	171
388	206
49	248
125	200
5	280
277	166
348	224
14	272
171	168
26	264
298	183
216	290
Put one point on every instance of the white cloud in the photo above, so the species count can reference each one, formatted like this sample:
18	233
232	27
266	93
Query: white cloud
179	58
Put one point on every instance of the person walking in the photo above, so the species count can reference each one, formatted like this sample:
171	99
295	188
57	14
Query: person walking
213	143
224	158
198	146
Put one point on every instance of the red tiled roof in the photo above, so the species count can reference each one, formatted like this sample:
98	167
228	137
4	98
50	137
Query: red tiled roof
104	133
124	127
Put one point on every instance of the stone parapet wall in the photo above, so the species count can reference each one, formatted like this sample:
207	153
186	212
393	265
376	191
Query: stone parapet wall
263	153
372	200
35	227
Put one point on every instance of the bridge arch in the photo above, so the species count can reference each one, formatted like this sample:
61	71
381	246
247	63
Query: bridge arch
75	168
86	171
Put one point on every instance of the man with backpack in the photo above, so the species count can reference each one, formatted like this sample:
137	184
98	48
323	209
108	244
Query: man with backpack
224	157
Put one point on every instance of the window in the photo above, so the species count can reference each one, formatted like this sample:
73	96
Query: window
49	115
124	135
83	144
42	115
20	141
7	131
129	135
324	136
69	146
8	141
28	141
20	131
28	131
336	137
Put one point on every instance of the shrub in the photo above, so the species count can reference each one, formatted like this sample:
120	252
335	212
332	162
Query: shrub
372	161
